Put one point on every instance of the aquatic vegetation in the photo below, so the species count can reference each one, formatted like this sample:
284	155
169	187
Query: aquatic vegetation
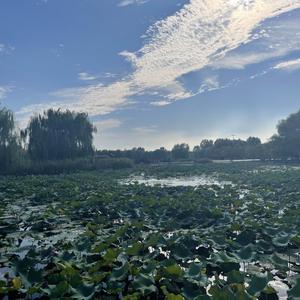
87	236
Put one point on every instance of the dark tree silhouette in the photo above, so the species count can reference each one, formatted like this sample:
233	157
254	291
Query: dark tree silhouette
181	151
10	146
58	135
286	144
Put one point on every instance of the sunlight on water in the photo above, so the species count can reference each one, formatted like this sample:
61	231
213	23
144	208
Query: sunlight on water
194	181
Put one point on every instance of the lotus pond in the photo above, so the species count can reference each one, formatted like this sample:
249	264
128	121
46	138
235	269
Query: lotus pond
212	231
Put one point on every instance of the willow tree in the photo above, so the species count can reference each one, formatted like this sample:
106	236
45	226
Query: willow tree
10	148
58	135
286	144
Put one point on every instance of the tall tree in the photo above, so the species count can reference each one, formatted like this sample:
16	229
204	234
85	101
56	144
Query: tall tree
181	151
10	147
286	144
57	135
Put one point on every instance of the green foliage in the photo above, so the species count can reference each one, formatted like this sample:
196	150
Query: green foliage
11	153
58	135
286	144
180	151
86	236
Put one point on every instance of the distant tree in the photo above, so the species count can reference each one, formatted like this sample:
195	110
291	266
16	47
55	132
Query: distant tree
10	146
161	154
138	155
253	141
181	151
286	144
205	144
57	135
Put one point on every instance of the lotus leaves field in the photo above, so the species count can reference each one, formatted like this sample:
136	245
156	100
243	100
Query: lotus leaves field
102	236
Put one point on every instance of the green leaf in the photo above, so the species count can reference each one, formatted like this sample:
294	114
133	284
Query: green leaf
294	292
17	283
144	284
174	270
235	277
119	274
281	240
135	249
111	255
60	290
246	253
258	283
180	252
194	270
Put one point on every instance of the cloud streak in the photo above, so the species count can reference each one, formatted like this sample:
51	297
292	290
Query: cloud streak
4	90
131	2
290	65
199	35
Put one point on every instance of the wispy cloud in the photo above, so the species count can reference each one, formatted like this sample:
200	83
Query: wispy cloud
94	99
107	124
6	49
277	40
290	65
145	130
131	2
4	90
86	76
199	35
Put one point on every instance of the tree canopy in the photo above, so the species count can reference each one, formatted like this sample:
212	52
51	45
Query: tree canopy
58	135
9	140
181	151
286	143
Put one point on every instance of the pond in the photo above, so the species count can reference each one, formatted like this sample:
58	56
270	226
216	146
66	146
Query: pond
192	181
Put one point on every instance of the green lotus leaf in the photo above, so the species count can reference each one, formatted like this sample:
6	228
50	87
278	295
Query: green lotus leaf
281	240
268	294
246	253
135	249
258	283
111	255
59	290
294	292
296	240
246	237
235	276
194	270
119	274
144	284
192	290
279	262
174	270
180	252
84	291
220	293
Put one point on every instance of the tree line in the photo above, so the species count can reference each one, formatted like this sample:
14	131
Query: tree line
65	138
54	135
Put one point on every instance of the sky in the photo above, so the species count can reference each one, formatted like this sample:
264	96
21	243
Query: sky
154	73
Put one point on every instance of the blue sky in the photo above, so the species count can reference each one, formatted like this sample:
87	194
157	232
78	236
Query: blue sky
154	73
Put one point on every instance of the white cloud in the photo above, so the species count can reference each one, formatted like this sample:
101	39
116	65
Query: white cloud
277	40
6	49
86	76
4	90
94	99
107	124
198	35
145	130
201	33
131	2
290	65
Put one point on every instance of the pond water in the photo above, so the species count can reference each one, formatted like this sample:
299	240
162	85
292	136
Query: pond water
193	181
